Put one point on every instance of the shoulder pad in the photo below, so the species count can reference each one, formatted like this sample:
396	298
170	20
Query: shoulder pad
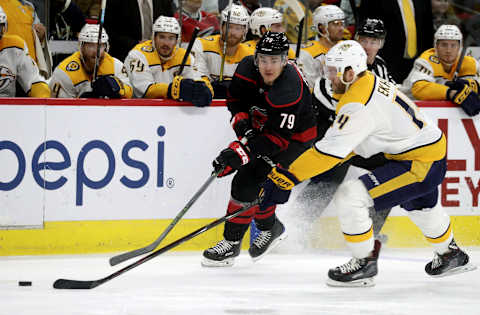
287	90
246	70
9	40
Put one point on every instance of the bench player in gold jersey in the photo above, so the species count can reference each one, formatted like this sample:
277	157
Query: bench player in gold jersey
73	77
153	67
434	76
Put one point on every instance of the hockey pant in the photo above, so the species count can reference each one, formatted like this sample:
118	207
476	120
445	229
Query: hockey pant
411	184
246	185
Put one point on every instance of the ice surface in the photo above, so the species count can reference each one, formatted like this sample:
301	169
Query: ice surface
175	283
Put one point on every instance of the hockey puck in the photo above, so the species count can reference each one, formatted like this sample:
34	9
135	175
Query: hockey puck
25	283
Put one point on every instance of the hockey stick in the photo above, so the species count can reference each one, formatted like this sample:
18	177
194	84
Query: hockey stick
100	28
299	38
459	64
224	51
79	284
189	49
137	252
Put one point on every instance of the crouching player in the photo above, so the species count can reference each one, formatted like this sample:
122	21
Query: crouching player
373	116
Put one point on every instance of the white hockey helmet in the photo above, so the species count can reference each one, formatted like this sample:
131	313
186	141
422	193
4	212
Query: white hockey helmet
449	32
89	34
3	20
347	54
239	15
325	14
264	17
166	24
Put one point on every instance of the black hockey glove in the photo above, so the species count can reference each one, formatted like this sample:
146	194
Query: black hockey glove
242	126
220	88
231	159
277	188
464	96
107	87
201	95
188	90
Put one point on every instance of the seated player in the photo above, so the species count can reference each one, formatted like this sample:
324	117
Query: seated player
16	66
434	75
73	77
153	67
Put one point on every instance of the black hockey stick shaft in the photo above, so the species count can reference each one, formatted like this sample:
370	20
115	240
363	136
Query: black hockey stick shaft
299	38
79	284
189	49
225	39
100	29
137	252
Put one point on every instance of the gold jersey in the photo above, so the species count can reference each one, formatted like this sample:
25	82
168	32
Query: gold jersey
70	79
427	79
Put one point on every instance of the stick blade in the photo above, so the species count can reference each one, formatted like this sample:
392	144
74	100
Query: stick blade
75	284
115	260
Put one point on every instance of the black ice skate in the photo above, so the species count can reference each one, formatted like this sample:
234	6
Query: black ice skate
358	272
222	254
453	262
267	240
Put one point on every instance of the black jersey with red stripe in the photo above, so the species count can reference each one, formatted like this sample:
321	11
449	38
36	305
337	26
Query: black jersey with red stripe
280	113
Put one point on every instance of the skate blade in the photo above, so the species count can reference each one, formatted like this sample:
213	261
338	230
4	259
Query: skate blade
272	246
461	269
229	262
367	282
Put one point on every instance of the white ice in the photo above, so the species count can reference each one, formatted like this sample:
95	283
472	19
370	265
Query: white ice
175	283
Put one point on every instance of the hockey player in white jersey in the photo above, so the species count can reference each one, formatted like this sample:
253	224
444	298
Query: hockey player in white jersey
434	76
16	65
329	21
209	50
153	67
373	116
73	77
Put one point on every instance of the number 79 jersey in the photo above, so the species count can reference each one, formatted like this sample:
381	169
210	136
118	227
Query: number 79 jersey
373	116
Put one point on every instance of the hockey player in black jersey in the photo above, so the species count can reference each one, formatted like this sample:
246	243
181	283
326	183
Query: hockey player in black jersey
273	119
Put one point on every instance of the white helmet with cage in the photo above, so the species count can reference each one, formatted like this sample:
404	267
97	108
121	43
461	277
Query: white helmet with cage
264	17
448	32
238	15
3	20
166	24
325	14
347	54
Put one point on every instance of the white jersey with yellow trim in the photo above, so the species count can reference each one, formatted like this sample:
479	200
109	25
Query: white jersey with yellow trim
373	116
208	57
70	79
145	67
311	61
427	68
16	65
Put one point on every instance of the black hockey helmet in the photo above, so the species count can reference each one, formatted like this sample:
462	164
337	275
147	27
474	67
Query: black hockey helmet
372	28
273	43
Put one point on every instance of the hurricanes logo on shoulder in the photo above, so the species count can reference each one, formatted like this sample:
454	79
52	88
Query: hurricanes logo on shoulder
73	66
148	48
6	77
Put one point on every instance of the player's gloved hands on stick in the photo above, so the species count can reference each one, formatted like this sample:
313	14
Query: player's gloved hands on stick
276	190
231	159
460	92
107	87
